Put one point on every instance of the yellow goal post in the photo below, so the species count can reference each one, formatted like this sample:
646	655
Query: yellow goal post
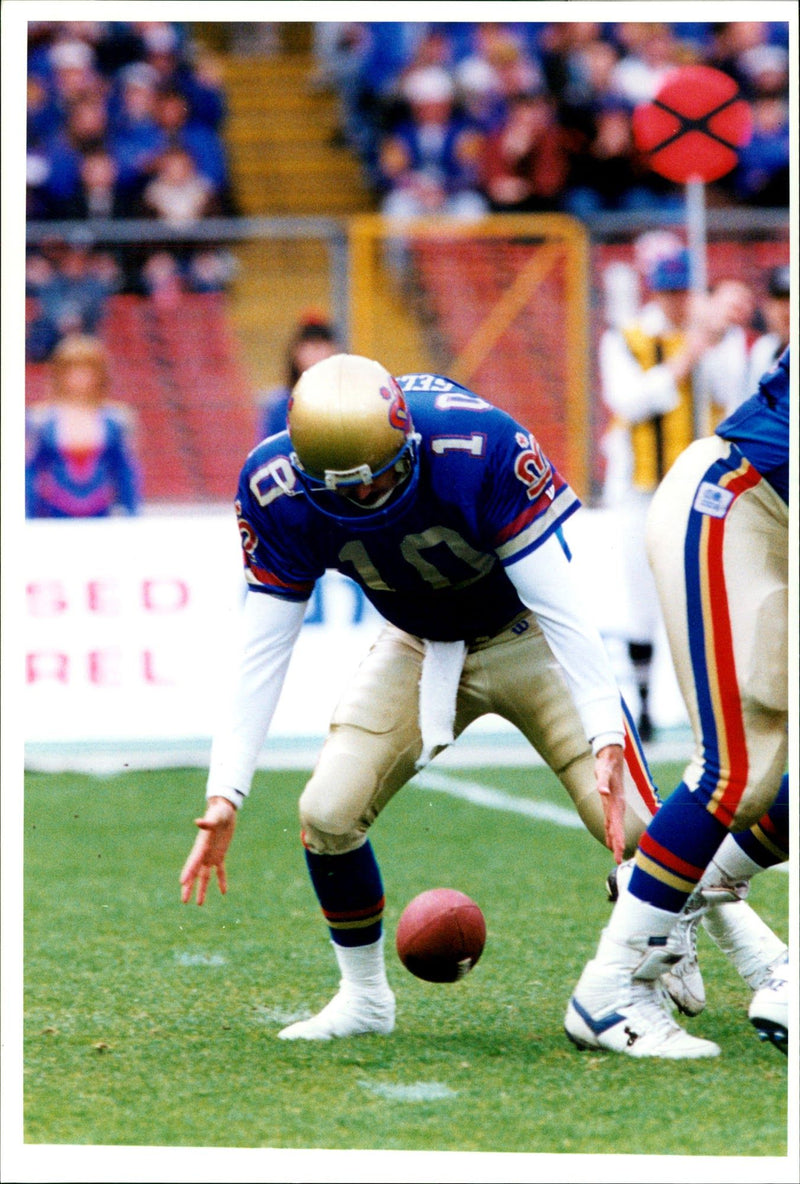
501	305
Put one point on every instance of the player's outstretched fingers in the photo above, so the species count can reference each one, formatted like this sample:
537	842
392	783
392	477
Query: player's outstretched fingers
209	849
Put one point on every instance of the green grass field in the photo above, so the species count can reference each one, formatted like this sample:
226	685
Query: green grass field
151	1023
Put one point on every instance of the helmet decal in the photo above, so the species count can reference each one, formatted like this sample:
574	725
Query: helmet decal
398	410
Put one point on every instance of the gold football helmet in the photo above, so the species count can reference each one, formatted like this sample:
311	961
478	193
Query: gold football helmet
349	424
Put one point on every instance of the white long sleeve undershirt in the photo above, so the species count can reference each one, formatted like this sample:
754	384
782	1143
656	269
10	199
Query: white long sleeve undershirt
546	582
269	629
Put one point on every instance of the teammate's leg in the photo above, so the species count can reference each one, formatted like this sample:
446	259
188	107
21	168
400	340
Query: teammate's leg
717	626
739	748
750	945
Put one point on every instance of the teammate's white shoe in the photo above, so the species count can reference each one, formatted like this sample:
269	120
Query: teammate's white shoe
683	981
347	1014
769	1007
611	1009
737	930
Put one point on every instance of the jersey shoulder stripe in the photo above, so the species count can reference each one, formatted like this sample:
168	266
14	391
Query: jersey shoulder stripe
526	533
261	579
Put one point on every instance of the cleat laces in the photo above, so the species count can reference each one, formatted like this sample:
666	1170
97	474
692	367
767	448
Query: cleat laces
649	1006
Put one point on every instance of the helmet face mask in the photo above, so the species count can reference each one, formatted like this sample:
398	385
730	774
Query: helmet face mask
351	430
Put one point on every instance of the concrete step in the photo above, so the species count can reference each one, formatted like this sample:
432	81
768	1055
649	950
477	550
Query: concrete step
279	133
287	67
266	128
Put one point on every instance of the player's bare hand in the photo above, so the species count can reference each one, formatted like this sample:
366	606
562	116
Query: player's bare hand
209	850
608	771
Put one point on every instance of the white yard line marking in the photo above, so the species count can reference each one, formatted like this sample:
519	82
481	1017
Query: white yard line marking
496	799
419	1091
107	758
116	758
186	959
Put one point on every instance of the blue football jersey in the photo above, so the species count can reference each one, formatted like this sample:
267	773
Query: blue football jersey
760	427
486	496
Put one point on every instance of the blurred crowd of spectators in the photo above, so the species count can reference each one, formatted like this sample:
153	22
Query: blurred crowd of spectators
127	120
467	118
124	120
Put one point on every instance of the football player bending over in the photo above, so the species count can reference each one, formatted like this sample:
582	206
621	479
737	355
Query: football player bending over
449	516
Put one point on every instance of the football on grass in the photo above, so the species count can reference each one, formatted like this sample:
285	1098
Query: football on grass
440	935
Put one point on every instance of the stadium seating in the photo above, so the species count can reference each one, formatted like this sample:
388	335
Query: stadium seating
179	369
191	369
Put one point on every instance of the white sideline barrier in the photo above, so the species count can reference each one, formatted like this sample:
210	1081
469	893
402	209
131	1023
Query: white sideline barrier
129	627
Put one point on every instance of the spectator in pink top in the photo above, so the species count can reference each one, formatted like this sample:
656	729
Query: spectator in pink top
80	461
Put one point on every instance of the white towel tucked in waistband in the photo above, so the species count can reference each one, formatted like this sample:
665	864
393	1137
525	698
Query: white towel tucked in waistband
438	687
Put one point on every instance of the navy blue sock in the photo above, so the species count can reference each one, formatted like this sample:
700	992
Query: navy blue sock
674	851
767	843
350	892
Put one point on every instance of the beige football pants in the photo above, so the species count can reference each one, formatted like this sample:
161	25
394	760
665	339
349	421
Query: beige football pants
717	540
374	738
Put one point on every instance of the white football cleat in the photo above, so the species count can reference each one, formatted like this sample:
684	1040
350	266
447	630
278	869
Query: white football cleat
737	930
347	1014
746	941
620	1005
769	1007
632	1019
683	981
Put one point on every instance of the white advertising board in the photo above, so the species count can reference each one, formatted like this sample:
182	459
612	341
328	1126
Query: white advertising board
130	629
130	626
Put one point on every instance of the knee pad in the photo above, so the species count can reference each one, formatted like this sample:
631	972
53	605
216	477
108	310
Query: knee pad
334	806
